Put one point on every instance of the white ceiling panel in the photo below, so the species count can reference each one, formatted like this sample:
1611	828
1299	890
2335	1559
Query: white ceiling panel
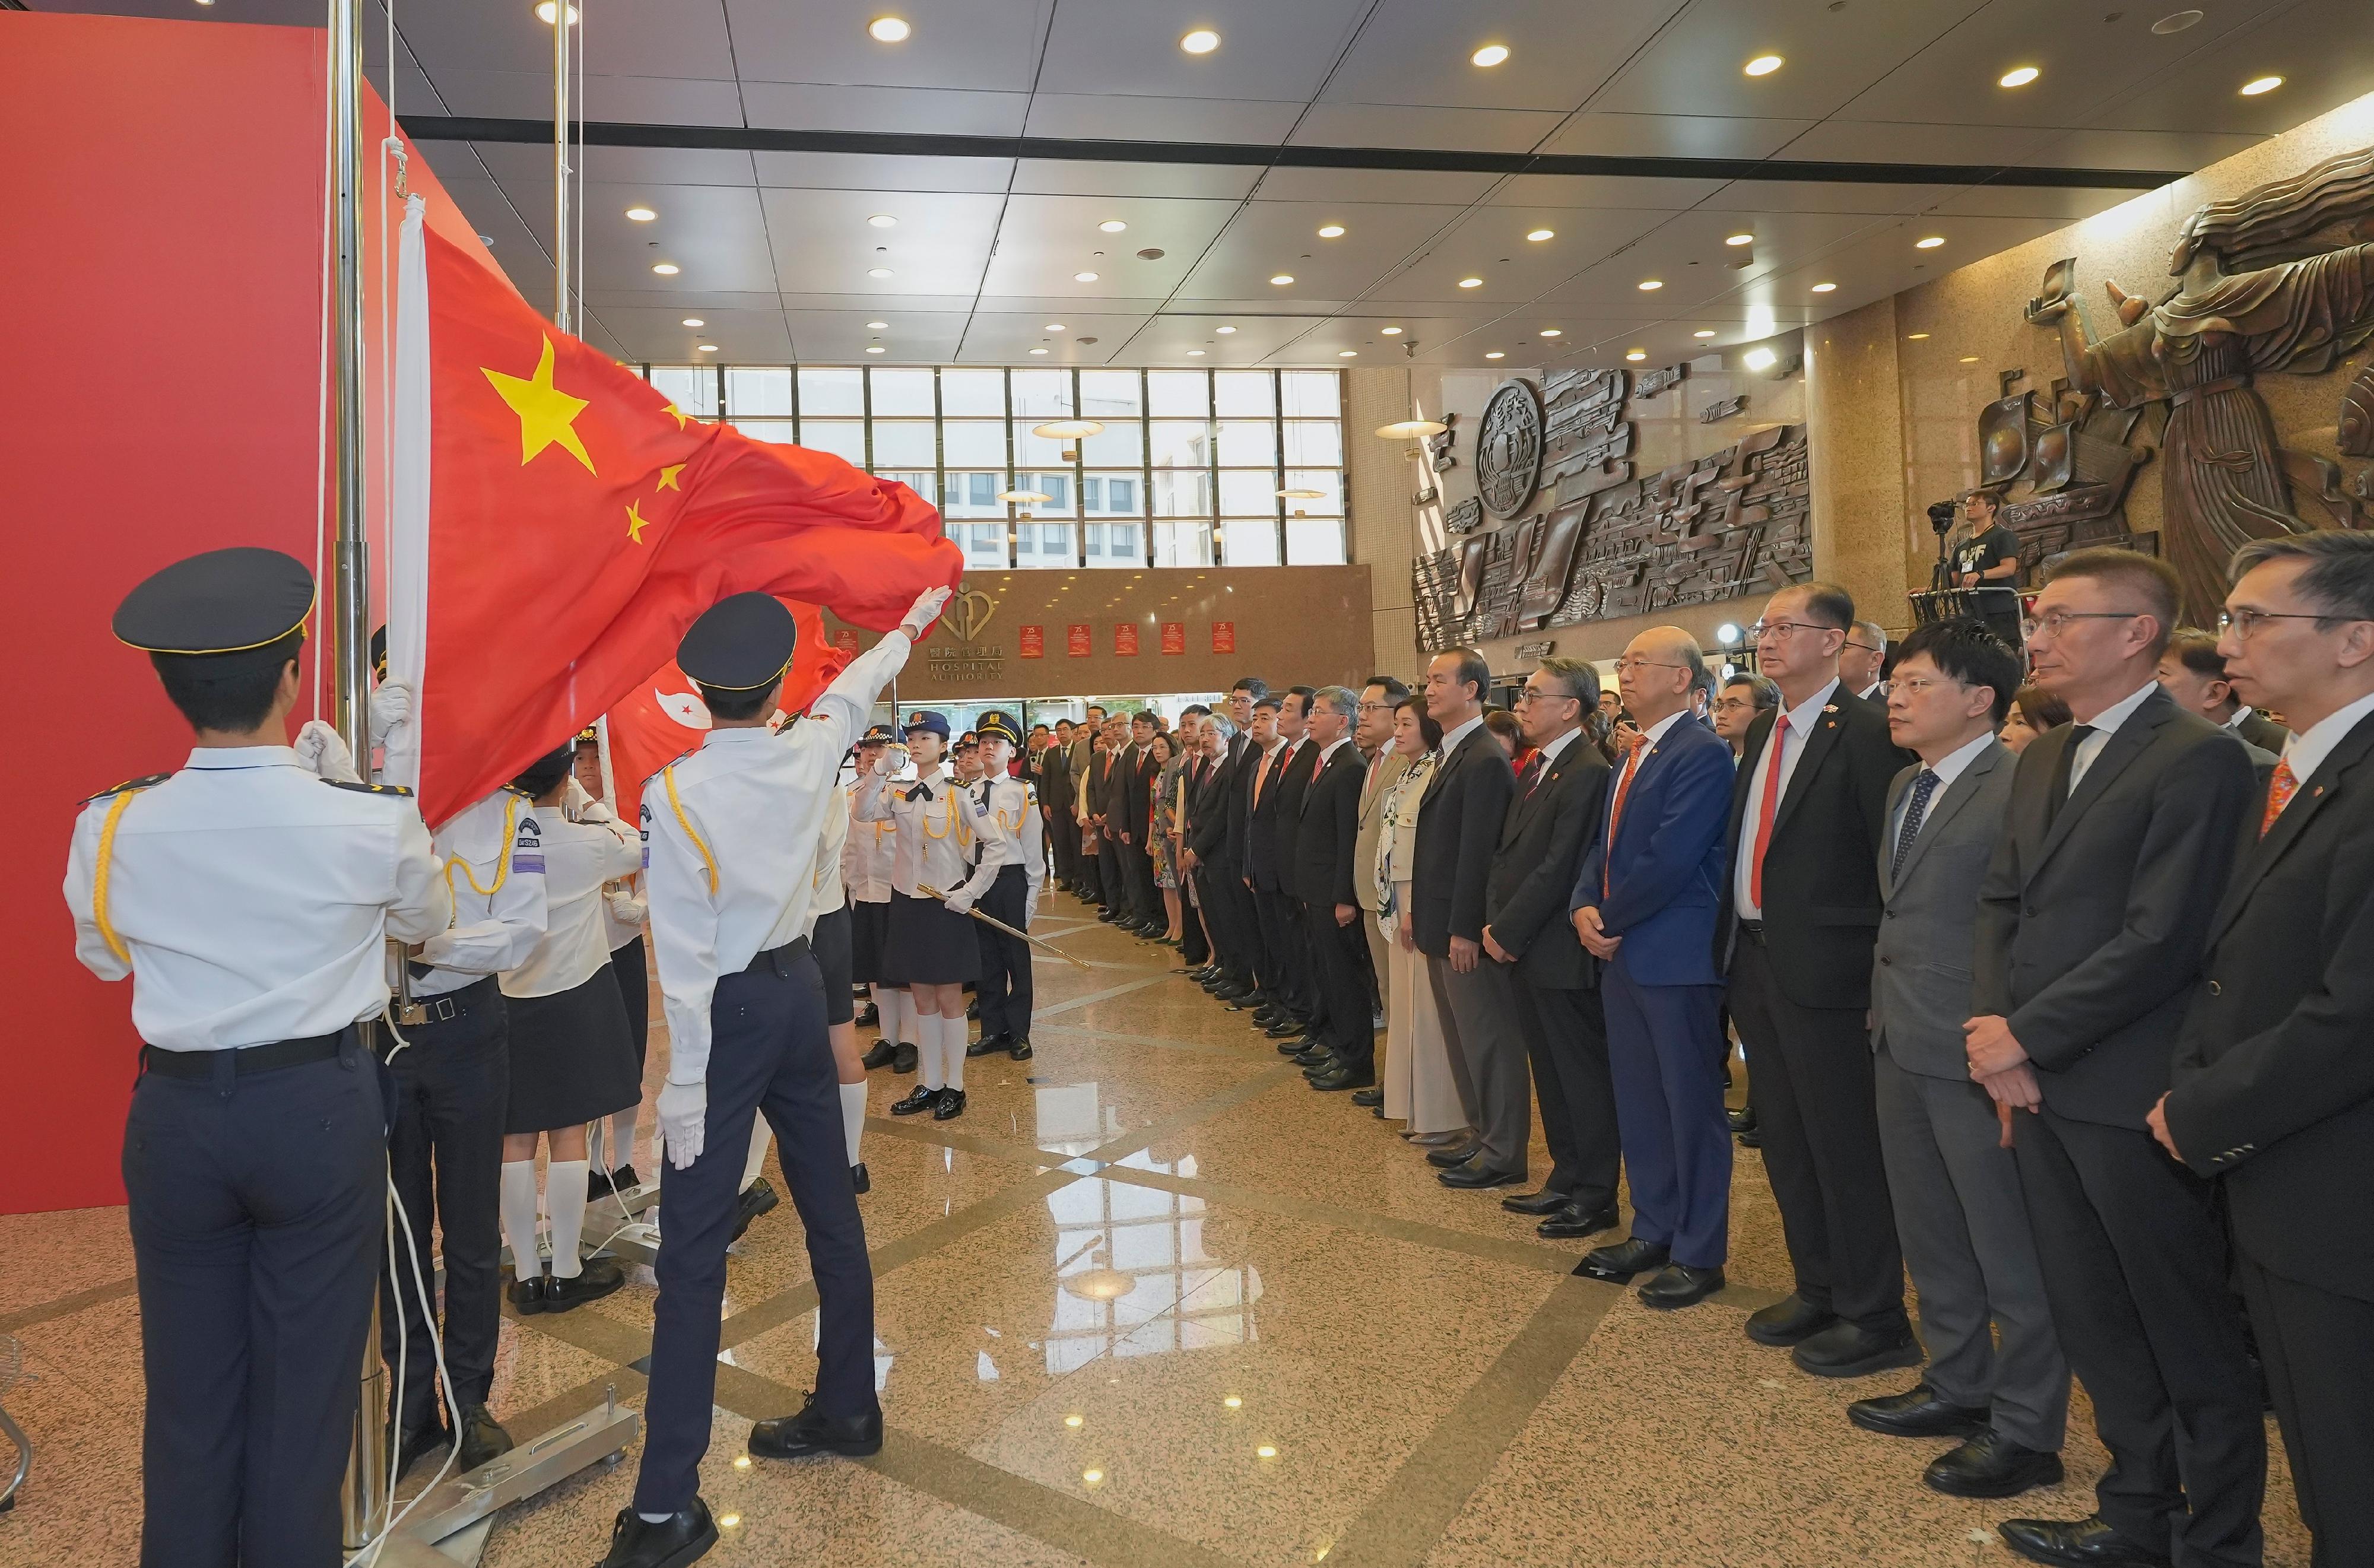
1559	190
1578	237
688	38
1268	50
1829	56
714	233
1674	136
1400	126
1257	337
652	335
624	166
1066	177
874	172
989	45
823	241
527	95
1937	141
1419	52
1008	337
809	106
1113	117
843	337
1438	186
1279	238
2323	49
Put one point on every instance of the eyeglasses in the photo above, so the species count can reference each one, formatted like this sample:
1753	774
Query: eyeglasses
1778	630
2245	623
1732	704
2055	623
1633	664
1375	707
1864	646
1918	685
1529	694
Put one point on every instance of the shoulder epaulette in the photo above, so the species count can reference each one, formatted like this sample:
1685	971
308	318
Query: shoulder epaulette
398	790
148	783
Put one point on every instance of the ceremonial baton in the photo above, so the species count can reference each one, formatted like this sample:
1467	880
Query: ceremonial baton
930	891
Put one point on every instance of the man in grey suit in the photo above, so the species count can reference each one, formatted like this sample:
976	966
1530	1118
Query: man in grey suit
1955	1186
1385	766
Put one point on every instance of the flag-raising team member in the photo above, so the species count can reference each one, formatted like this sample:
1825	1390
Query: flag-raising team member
250	898
1005	886
866	864
729	891
831	937
572	1057
623	917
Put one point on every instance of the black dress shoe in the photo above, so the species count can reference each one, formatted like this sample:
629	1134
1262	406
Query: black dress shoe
1345	1076
1790	1322
1617	1264
878	1055
599	1184
1679	1285
676	1541
921	1100
1108	915
987	1043
859	1179
1572	1221
757	1199
1472	1177
598	1278
1742	1120
1286	1031
1370	1098
1020	1049
812	1432
624	1179
972	1006
1844	1350
1294	1046
1269	1013
2075	1543
1992	1465
903	1059
418	1445
1542	1202
868	1017
1314	1056
1458	1154
527	1294
1229	992
483	1438
951	1105
1918	1413
1752	1138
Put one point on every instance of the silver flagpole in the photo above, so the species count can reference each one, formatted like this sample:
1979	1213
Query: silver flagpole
560	163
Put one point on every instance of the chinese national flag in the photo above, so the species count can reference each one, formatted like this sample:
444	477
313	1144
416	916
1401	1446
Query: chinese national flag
558	523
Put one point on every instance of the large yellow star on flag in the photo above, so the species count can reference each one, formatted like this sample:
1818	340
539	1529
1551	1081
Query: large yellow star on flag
546	414
636	522
668	477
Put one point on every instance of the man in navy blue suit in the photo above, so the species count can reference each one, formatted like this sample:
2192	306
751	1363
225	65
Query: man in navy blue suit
1645	904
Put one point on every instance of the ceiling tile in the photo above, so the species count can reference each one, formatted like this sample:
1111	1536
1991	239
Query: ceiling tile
809	106
714	233
1066	177
1830	55
651	100
987	45
1043	241
2323	49
1674	135
622	165
1273	238
1100	117
869	171
1843	140
2182	150
1383	124
474	35
1373	185
1600	190
1268	51
1418	52
823	242
656	335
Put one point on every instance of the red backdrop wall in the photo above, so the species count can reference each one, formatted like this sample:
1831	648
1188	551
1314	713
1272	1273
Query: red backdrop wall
160	332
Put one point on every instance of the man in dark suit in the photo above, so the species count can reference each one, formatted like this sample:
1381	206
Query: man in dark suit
2121	829
1238	983
1323	873
1644	904
1298	764
1263	883
2275	1081
1532	953
1800	909
1212	856
1113	873
1056	802
1955	1186
1146	915
1459	822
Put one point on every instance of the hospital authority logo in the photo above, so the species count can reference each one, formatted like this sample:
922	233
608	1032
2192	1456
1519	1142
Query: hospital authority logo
969	615
966	617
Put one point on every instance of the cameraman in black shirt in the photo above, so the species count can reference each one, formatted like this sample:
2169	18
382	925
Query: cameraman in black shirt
1989	555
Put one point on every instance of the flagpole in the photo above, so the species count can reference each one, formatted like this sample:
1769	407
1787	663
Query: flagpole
560	11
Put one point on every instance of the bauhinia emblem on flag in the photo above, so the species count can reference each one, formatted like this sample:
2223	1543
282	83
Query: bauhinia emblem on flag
558	523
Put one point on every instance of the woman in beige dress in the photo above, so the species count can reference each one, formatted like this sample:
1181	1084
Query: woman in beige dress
1418	1086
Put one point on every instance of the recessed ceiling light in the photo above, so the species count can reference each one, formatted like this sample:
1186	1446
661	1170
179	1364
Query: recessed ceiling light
1054	327
1282	278
1194	353
2019	77
2175	21
1393	332
1347	353
1203	41
1471	283
666	269
1648	285
640	214
704	348
875	325
1038	350
1112	226
1084	278
1496	354
883	220
1762	65
1331	232
1928	242
874	348
1553	332
888	30
1225	330
2254	87
1759	358
1703	332
1538	235
694	321
878	272
1823	288
1916	336
543	13
1636	353
1490	54
1739	239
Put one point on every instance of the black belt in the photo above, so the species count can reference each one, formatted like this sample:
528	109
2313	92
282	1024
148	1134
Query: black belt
246	1059
776	958
460	1003
1753	930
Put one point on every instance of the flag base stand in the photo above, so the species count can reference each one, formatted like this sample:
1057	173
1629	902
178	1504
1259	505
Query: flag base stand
598	1437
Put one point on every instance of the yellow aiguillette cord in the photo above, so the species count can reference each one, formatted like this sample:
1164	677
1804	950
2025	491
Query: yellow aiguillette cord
667	776
99	878
502	858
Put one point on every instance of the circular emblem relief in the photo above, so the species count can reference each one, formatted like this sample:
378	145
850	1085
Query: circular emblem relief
1509	449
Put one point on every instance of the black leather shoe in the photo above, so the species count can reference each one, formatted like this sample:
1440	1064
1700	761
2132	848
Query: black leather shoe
951	1105
1345	1076
1752	1138
1742	1120
1679	1285
1458	1154
624	1179
1572	1221
904	1058
1542	1202
878	1055
1020	1049
1992	1465
676	1541
1472	1177
1918	1413
921	1100
1108	915
1312	1055
432	1439
1617	1264
987	1043
1294	1045
527	1294
972	1008
1229	992
759	1199
868	1017
2075	1543
859	1179
1370	1098
812	1432
1790	1322
1286	1031
598	1278
1844	1350
483	1438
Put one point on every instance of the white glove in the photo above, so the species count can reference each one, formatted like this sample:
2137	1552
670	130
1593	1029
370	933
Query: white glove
322	751
594	811
625	907
1029	911
684	1114
958	902
391	707
925	610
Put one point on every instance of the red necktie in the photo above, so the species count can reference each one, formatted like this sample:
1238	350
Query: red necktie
1533	775
1622	786
1765	809
2280	789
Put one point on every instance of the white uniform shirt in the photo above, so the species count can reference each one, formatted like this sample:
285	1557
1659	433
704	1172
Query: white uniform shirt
935	830
494	867
1784	756
578	858
254	901
832	845
724	880
866	855
1004	815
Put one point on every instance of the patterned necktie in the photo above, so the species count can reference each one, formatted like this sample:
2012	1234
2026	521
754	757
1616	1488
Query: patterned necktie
1922	787
1766	808
1533	778
2280	789
1614	816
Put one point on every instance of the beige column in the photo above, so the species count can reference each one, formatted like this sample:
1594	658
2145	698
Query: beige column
1854	412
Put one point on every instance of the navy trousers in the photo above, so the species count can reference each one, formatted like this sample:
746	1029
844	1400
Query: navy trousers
1004	960
445	1156
767	1053
256	1207
1664	1052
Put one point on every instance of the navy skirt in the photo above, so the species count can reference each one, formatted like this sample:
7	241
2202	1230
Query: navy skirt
572	1057
929	944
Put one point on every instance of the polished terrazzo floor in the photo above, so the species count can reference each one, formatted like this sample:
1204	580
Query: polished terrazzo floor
1152	1302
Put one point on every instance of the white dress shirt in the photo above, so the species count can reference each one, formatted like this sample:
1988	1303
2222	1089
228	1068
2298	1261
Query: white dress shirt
866	855
1552	749
1947	767
935	832
578	858
1451	738
1639	756
2101	726
2307	751
1782	753
1004	816
494	867
736	793
254	901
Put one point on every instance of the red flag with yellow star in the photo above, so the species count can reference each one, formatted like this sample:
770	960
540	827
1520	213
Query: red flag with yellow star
558	523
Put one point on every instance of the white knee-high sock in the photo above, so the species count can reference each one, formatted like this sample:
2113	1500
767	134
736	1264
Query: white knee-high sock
853	1118
952	1049
927	1027
893	1003
910	1021
519	1217
620	1148
761	1134
564	1197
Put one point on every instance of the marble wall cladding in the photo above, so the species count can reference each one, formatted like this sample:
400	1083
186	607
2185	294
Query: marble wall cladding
1860	540
1385	524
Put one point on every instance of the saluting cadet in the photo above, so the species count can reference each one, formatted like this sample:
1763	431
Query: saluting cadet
729	893
450	1057
866	871
1005	887
931	949
250	898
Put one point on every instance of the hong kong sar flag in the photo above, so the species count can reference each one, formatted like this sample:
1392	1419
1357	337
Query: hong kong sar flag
556	525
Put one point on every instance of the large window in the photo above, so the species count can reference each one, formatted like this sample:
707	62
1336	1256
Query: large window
1191	468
